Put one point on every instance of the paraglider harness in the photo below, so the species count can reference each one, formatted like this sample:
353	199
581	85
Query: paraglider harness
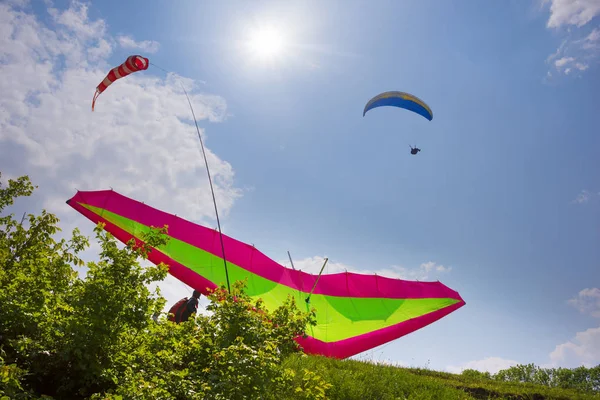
414	150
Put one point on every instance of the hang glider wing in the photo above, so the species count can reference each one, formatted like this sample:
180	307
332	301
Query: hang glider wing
355	312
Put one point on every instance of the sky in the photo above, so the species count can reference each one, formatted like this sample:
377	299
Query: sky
502	204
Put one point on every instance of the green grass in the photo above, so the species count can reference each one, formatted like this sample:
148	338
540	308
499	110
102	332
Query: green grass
353	379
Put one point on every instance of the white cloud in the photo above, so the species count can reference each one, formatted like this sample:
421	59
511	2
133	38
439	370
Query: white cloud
568	63
139	141
593	39
489	364
585	196
582	197
584	350
572	12
563	61
580	48
587	301
135	142
147	46
591	43
75	19
426	271
313	265
18	3
100	51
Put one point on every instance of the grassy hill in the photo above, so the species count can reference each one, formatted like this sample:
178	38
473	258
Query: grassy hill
352	379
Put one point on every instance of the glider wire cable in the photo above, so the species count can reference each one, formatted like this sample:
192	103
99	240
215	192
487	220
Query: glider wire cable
209	180
211	188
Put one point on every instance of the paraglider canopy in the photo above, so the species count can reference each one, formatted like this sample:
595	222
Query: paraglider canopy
402	100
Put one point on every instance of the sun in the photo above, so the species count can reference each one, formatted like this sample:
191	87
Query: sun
266	43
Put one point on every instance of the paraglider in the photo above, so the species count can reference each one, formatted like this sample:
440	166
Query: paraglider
132	64
401	100
354	312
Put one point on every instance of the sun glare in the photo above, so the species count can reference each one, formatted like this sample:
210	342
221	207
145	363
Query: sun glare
266	43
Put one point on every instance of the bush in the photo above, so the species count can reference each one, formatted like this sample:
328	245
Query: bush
68	337
476	375
581	378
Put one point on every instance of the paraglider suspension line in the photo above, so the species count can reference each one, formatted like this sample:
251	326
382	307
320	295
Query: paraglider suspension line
211	188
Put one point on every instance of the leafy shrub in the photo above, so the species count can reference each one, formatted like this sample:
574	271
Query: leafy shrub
75	338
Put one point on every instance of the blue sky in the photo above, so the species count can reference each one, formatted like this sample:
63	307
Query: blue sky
502	204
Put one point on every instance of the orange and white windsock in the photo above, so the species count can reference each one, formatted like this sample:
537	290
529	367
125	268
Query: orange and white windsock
132	64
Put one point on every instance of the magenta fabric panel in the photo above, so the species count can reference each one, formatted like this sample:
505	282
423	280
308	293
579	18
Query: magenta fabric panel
176	269
251	259
357	344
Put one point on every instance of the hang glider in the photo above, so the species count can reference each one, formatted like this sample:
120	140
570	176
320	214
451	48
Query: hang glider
354	312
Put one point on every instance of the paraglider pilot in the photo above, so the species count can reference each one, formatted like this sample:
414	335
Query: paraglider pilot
414	150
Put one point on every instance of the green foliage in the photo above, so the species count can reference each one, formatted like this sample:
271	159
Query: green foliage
62	330
353	379
476	375
236	352
74	338
359	380
581	378
10	385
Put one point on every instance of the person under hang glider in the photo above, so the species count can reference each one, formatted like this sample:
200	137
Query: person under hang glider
184	308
